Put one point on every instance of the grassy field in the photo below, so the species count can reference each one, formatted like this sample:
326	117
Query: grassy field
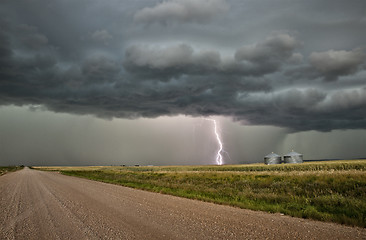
4	170
328	191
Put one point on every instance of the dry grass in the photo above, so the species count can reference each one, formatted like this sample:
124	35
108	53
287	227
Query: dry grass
67	168
7	169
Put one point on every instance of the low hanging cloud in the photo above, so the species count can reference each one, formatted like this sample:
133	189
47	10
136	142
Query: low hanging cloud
182	11
333	64
308	109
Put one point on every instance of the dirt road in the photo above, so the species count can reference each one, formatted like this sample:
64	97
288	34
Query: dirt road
46	205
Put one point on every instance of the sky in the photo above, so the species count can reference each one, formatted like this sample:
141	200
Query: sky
92	82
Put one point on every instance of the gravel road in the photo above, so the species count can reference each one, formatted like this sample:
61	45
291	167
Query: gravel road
48	205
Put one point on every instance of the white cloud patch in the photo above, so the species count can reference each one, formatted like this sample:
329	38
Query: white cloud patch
182	11
251	60
296	58
100	69
31	38
102	36
277	47
304	99
159	58
351	99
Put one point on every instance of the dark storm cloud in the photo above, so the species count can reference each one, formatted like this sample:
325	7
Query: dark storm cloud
87	57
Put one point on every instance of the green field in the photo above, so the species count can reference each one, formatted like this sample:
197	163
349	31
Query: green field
4	170
328	191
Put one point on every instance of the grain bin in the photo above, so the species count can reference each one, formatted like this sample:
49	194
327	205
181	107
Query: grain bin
272	158
293	157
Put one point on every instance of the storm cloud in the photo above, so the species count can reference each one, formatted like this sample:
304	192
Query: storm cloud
206	58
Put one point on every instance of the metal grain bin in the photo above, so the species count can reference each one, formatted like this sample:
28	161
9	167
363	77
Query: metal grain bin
272	158
293	157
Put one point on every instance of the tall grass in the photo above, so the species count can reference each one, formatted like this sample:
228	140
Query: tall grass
334	191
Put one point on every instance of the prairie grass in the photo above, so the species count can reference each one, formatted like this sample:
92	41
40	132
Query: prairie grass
326	191
4	170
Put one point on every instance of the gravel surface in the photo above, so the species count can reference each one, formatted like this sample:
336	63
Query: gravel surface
48	205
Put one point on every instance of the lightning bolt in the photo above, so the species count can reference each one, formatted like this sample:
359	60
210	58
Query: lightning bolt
219	157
